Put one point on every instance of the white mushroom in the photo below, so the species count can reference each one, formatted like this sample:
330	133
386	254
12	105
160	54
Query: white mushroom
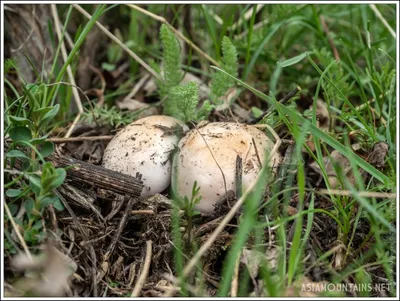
201	149
145	146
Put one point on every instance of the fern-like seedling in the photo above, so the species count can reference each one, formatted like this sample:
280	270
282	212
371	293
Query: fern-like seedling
171	62
180	101
183	102
221	82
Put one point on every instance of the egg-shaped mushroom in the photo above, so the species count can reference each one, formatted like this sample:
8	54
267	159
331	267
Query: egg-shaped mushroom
208	155
146	146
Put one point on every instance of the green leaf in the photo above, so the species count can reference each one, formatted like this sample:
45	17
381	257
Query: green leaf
38	225
29	205
37	141
256	112
39	113
53	178
12	193
15	153
108	67
19	120
49	115
58	205
47	149
60	177
20	133
293	60
48	200
13	209
35	184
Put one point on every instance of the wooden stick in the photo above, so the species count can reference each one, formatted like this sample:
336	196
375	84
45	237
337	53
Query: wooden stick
84	172
21	239
382	19
235	280
79	139
143	275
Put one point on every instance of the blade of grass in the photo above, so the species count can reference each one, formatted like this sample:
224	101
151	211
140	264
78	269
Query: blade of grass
247	223
212	30
344	98
295	249
78	44
313	129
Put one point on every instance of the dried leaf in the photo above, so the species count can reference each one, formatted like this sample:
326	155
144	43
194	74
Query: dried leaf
227	99
339	160
46	275
253	259
323	118
131	104
378	154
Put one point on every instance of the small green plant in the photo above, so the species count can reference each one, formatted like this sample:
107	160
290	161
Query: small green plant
173	73
112	116
32	184
221	82
188	206
181	101
185	100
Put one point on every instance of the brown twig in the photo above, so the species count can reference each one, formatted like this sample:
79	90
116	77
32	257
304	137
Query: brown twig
216	162
81	198
85	238
148	212
256	151
21	239
79	139
235	280
330	40
121	226
116	206
239	174
143	274
137	87
382	19
98	176
205	228
368	194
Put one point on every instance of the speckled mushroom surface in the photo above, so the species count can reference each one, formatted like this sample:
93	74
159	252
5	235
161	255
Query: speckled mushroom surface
219	142
145	146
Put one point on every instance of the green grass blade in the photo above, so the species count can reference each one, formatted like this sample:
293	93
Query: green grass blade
315	131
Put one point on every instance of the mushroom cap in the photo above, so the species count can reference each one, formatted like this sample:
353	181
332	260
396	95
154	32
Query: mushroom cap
145	147
219	142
